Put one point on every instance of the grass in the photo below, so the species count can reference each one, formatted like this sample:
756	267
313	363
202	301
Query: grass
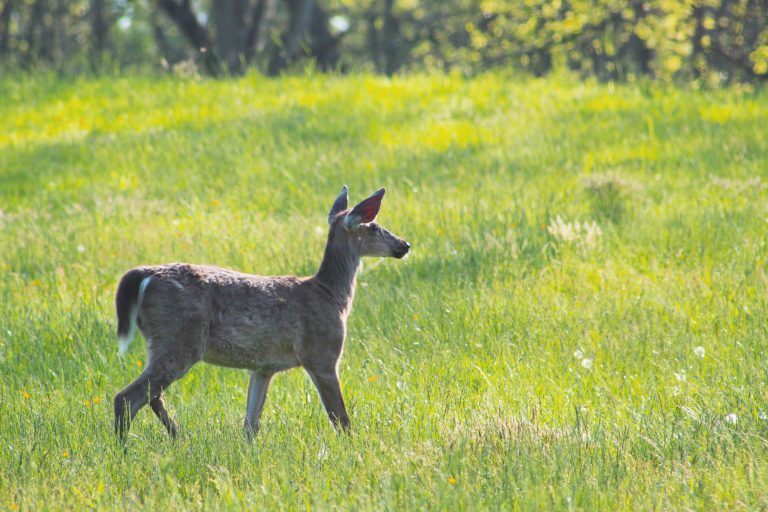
513	361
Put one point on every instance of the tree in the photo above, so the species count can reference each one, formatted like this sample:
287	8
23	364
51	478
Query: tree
711	41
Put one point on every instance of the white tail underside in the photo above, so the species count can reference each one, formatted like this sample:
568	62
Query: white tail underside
125	341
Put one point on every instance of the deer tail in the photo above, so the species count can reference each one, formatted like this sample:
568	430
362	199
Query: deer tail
130	293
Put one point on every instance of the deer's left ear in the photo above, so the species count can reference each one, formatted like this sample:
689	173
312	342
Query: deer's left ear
339	205
365	211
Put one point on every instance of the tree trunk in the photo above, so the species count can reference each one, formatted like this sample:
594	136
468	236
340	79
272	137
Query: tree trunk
252	30
390	33
5	26
99	30
307	34
228	19
161	40
325	46
301	16
181	13
697	49
637	51
33	33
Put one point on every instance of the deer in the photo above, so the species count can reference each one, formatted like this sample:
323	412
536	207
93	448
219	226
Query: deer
264	324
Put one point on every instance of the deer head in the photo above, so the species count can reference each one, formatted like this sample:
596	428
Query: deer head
356	230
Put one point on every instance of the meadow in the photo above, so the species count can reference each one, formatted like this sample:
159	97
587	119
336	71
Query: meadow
581	323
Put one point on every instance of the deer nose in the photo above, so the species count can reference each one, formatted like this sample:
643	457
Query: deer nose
407	245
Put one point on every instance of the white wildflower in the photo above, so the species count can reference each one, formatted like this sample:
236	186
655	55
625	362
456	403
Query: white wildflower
586	363
762	416
579	354
739	186
592	233
731	418
584	235
80	248
699	351
561	230
680	376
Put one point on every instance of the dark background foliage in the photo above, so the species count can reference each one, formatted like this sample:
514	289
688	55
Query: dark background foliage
710	41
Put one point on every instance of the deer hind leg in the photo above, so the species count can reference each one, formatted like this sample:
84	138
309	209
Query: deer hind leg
162	370
158	407
146	387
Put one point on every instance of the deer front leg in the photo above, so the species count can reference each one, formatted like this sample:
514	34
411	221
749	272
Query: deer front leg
257	395
327	384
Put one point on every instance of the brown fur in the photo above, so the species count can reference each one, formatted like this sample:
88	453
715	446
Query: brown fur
192	313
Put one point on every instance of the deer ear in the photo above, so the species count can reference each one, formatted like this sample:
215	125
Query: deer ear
365	211
339	205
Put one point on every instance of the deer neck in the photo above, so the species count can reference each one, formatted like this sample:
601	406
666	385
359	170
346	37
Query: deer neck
337	274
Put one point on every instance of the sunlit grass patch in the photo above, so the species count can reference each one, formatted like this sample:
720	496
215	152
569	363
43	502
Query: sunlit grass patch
437	135
721	113
579	324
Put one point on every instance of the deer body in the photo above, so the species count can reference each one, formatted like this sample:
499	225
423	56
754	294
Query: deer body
191	313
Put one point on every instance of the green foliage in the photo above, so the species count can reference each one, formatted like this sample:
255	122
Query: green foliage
516	360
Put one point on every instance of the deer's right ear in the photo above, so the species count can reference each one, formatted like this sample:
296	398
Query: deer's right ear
339	205
365	211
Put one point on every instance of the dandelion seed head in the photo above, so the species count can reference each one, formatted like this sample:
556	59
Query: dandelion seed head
699	351
731	418
80	248
586	363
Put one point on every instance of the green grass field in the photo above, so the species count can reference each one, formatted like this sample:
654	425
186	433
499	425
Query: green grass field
516	360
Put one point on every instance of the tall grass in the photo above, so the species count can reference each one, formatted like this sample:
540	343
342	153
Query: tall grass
581	323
